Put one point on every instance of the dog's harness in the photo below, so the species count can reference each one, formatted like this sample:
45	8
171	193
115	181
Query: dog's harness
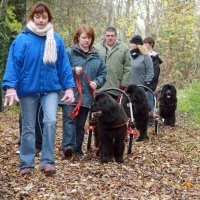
75	111
134	131
168	105
120	125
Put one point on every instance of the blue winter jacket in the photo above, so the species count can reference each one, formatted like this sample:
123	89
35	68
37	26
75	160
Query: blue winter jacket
26	72
93	66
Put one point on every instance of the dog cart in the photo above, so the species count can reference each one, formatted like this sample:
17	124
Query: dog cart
132	131
154	116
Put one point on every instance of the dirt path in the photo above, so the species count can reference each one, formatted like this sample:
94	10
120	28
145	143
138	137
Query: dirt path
165	167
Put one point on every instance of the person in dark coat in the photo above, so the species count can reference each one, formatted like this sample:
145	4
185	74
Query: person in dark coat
149	43
90	73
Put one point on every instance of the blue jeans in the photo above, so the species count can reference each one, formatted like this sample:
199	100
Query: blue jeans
150	99
73	129
38	128
28	106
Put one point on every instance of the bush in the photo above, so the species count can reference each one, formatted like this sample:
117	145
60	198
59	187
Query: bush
188	100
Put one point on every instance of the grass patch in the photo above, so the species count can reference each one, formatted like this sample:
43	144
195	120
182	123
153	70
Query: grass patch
188	100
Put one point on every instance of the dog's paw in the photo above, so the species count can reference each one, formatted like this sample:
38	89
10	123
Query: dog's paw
106	160
141	139
97	153
119	159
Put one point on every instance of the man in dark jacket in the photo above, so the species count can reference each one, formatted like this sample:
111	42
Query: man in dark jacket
149	43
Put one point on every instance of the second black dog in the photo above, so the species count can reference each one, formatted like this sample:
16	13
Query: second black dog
111	127
140	109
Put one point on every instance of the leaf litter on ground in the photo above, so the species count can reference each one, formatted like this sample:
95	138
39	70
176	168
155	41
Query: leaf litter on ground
165	167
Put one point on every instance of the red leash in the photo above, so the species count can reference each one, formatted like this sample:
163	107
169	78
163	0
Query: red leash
75	111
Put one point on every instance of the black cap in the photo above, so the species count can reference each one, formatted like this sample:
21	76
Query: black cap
136	40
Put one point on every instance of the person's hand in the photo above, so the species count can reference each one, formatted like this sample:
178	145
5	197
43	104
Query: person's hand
10	97
68	97
78	70
93	85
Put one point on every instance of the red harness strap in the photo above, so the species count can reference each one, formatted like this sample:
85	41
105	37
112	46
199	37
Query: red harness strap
91	128
75	111
134	132
120	125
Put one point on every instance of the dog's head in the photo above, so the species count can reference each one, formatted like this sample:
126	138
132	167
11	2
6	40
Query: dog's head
103	104
138	99
136	94
168	91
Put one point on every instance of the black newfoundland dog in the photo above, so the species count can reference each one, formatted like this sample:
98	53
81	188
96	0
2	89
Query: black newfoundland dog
111	128
141	108
167	104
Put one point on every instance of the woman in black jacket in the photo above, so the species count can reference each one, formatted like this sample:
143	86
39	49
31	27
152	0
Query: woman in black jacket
149	43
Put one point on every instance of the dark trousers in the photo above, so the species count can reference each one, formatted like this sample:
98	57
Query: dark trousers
38	127
73	128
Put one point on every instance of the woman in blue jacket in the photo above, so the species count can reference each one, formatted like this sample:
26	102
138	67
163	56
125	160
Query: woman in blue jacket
90	73
37	69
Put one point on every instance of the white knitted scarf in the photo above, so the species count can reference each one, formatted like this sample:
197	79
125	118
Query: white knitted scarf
50	52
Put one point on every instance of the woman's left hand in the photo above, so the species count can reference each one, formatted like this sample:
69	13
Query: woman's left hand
93	85
68	97
10	97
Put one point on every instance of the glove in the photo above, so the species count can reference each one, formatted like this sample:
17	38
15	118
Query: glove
10	97
68	97
78	70
93	85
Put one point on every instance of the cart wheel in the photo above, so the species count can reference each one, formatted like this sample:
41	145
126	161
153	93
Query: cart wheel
89	140
156	126
130	144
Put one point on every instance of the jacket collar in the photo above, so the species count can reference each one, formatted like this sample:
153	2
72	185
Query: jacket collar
77	48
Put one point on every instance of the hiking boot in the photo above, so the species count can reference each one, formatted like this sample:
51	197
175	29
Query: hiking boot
68	152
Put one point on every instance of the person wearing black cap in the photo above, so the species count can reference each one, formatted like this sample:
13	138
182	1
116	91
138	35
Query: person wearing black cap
142	71
141	63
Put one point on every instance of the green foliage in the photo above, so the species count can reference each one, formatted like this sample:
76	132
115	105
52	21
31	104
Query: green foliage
178	39
189	98
4	46
11	22
127	24
9	27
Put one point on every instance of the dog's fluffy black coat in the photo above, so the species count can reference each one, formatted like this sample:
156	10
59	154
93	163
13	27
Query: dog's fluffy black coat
141	108
168	103
111	127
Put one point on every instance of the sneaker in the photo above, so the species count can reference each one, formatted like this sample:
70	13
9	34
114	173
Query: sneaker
25	171
68	152
49	170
